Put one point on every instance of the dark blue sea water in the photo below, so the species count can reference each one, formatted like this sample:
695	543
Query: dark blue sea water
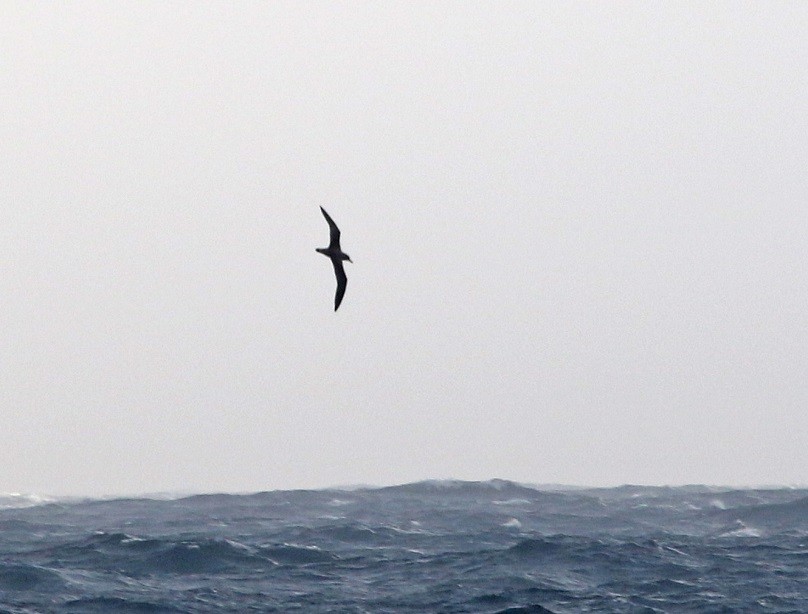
427	547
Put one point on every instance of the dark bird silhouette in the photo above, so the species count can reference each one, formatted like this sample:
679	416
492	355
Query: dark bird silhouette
336	254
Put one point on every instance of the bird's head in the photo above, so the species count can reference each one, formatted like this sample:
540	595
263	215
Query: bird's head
348	258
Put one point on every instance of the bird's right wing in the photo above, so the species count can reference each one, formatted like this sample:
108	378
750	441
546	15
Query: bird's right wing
342	282
334	230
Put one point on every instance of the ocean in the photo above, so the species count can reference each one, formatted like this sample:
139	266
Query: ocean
435	546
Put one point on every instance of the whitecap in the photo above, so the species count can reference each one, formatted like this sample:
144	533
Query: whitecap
512	502
339	502
741	530
11	500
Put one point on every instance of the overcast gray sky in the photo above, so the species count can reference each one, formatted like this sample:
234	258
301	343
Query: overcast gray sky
579	234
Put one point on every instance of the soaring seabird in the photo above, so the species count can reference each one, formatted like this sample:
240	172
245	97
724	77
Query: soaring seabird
336	254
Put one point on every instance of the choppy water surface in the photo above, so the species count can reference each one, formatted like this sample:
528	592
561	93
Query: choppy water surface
428	547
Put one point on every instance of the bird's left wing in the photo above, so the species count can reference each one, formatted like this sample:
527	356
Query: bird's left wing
342	282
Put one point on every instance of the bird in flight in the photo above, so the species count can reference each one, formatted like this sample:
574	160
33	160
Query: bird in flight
336	254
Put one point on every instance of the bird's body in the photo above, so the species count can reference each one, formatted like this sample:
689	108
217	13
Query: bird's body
337	256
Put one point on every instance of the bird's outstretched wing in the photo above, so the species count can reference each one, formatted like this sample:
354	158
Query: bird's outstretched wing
342	282
334	232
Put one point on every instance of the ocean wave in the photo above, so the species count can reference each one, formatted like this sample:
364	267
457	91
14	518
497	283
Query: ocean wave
143	556
292	554
496	487
116	604
24	577
533	608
